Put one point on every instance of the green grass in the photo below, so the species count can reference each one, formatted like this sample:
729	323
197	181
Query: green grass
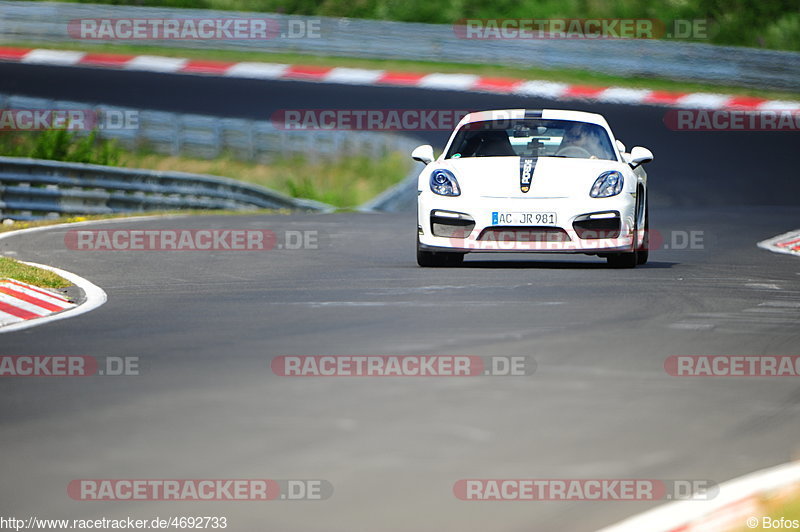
60	145
13	269
787	508
560	75
345	181
759	23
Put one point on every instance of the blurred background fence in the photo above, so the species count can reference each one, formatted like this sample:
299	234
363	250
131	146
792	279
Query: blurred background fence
210	136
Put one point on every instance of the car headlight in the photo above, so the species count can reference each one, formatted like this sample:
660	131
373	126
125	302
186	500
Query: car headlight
444	183
607	185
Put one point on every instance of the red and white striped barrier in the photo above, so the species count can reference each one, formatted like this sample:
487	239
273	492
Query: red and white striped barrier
360	76
21	301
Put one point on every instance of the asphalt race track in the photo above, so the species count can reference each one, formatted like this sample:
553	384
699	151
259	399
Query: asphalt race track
206	325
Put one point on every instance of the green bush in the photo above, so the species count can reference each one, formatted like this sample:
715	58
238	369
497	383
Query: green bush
61	145
346	181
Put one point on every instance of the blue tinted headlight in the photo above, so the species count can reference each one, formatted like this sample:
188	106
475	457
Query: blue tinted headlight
444	183
607	185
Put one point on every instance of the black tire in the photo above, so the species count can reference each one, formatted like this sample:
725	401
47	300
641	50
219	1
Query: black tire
623	260
438	259
640	254
643	253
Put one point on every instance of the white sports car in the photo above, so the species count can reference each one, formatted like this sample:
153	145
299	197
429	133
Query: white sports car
520	180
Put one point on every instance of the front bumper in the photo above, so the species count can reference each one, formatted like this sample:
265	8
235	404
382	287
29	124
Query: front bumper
591	226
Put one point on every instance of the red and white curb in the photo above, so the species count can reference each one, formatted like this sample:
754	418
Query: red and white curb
786	243
360	76
21	301
23	306
38	306
738	506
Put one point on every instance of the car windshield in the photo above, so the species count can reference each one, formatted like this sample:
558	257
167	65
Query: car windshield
533	138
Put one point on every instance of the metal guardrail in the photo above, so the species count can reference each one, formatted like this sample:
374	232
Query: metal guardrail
32	189
47	22
209	137
401	197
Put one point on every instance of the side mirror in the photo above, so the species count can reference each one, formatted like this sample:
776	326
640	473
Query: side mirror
640	156
423	154
626	157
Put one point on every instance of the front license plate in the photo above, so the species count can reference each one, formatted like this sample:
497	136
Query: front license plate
523	218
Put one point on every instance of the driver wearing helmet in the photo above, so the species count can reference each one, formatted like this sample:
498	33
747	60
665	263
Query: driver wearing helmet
581	137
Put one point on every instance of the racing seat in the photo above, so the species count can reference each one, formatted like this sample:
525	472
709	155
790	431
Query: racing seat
495	144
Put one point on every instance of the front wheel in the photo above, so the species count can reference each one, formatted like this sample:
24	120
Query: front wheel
623	260
643	253
438	259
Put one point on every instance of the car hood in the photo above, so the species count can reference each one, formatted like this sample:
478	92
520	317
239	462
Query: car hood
552	177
